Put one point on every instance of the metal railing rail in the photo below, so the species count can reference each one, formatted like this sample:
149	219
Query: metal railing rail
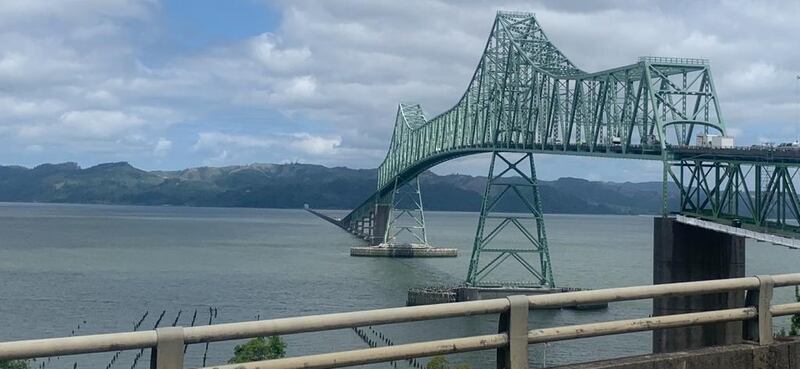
673	60
167	343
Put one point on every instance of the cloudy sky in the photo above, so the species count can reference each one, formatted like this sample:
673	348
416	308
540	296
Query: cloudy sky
168	84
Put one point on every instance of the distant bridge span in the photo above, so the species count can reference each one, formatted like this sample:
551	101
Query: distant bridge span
526	96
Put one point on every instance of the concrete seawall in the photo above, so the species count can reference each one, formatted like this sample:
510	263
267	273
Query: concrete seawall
783	354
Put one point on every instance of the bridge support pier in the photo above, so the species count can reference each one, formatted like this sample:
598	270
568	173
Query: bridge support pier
684	253
379	220
532	256
398	227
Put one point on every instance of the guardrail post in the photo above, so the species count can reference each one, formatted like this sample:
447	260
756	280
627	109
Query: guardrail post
760	330
168	353
514	323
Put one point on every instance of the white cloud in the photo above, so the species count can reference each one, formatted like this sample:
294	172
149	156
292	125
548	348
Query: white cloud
101	98
99	123
755	75
75	11
267	51
162	147
77	77
92	126
277	147
14	108
34	148
216	141
315	145
303	86
735	132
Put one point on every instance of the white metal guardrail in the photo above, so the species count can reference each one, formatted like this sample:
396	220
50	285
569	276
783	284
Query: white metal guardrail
167	343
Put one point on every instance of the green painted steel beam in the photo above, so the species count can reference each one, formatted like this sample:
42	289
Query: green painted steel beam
513	180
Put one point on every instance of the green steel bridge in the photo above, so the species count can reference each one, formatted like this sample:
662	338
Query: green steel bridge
526	97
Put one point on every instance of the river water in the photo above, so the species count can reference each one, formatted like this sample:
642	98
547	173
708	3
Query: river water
81	269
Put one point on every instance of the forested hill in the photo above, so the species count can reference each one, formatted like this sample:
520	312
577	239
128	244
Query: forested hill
292	185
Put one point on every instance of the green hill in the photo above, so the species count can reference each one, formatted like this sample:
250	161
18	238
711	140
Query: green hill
292	185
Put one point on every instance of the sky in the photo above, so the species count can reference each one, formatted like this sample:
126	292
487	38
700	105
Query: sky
169	84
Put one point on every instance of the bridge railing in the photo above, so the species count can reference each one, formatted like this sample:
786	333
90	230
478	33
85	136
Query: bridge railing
167	344
672	60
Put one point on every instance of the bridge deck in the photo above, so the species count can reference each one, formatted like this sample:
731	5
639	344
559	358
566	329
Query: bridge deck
736	154
745	230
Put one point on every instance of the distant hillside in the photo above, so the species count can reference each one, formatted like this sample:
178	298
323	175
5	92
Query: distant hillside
292	185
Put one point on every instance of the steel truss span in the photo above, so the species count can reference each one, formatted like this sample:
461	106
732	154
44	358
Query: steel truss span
526	96
758	196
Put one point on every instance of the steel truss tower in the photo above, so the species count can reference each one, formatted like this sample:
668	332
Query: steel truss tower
511	180
407	217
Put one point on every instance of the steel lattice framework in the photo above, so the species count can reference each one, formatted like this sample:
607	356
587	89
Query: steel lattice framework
757	188
514	180
527	97
406	217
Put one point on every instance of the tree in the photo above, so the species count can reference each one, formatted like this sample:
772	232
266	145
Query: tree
438	362
258	349
795	328
14	364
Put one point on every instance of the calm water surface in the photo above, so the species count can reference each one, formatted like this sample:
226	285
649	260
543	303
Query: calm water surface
81	269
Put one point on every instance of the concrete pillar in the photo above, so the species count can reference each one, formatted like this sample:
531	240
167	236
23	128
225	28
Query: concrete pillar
683	253
380	222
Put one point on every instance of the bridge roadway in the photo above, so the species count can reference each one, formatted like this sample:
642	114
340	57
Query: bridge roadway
743	154
764	173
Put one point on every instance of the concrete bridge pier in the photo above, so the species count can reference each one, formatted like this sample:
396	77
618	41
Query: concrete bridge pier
397	227
684	253
380	220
